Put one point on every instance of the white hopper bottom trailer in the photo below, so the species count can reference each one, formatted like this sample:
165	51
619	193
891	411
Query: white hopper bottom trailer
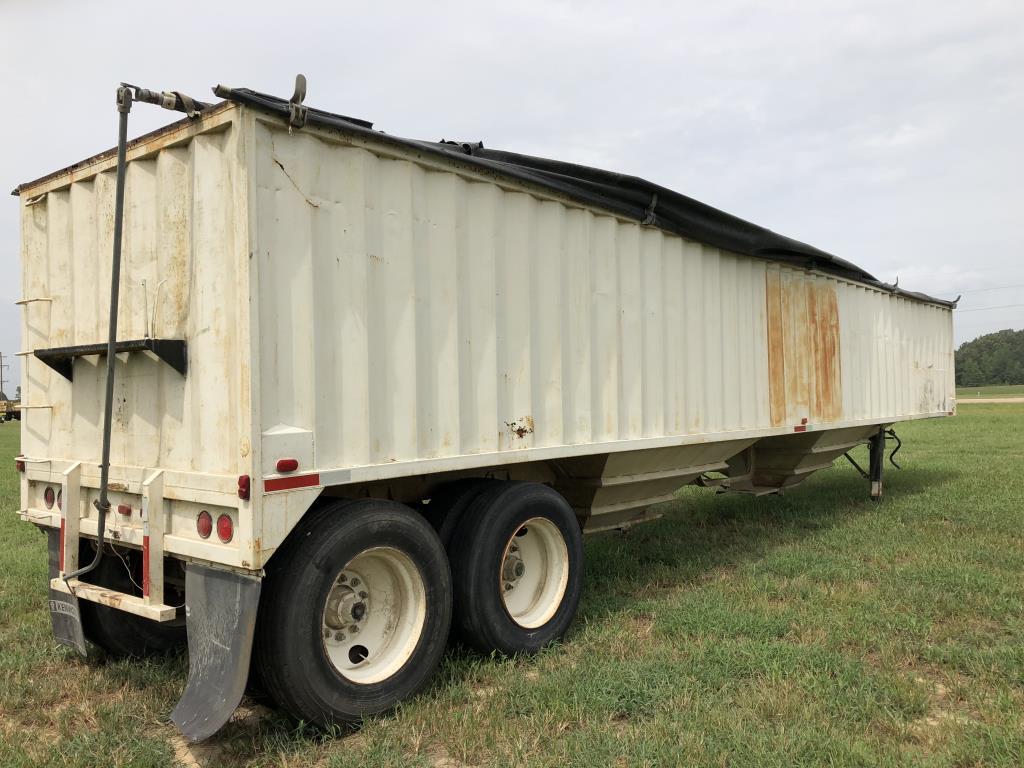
357	390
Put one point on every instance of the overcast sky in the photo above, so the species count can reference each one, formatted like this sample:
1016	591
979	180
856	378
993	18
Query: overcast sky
887	133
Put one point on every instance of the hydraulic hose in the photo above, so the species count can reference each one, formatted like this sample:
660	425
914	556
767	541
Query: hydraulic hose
124	106
173	100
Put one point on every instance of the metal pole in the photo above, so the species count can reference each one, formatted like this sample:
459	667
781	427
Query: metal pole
877	456
124	106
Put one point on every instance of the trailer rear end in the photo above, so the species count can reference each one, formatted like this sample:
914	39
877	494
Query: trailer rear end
368	389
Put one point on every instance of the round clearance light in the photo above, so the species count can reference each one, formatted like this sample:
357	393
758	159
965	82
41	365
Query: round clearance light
49	497
204	524
225	528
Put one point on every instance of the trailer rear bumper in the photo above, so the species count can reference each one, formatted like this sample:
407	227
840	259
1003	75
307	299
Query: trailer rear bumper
114	599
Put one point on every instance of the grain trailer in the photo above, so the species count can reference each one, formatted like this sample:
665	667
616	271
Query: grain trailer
366	388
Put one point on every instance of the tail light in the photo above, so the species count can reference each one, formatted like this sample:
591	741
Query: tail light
243	487
49	497
204	524
225	528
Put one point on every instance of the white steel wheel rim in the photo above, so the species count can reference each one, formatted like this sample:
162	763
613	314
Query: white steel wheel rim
374	615
534	573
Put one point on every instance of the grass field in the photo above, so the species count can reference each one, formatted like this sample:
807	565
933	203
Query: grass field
816	628
1008	390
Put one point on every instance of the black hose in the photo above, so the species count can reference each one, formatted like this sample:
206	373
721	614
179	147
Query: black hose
899	444
102	504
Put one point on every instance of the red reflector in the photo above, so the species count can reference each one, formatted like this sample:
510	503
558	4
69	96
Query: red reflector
292	481
225	528
204	524
19	464
124	509
287	465
48	497
243	487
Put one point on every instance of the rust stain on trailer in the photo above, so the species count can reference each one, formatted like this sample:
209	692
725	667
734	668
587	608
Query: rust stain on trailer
828	400
520	427
804	381
776	356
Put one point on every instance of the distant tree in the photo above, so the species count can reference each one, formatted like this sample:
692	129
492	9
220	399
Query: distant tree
17	393
995	358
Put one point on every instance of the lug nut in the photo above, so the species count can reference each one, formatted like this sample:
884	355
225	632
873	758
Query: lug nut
355	582
353	629
339	636
342	579
363	595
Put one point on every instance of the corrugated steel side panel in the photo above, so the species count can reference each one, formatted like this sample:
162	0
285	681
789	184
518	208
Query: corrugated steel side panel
408	312
184	236
897	355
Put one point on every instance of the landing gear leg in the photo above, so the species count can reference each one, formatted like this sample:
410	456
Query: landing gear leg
877	449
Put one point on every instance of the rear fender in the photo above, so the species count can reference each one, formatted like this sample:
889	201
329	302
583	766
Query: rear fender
65	617
220	616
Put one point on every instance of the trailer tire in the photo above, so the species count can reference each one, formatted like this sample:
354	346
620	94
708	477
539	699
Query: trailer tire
449	504
371	564
514	594
122	634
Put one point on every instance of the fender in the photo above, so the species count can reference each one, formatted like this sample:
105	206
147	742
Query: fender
220	615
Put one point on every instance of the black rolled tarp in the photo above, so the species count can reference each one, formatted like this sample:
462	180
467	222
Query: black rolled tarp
628	196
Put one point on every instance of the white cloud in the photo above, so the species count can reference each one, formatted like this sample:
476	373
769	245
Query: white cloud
887	133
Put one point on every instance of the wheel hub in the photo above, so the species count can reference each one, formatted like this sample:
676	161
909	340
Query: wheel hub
373	614
513	569
534	572
347	605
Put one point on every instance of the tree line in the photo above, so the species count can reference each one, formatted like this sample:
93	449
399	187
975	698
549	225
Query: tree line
995	358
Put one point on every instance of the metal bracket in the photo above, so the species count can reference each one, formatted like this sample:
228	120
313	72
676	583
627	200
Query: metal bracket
297	111
174	352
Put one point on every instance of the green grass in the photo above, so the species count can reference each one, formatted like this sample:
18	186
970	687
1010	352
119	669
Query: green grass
816	628
1007	390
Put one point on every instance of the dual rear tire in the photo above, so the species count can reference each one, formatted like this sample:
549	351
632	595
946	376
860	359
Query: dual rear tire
517	568
357	605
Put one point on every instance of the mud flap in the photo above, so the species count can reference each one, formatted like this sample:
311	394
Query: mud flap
65	617
220	611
